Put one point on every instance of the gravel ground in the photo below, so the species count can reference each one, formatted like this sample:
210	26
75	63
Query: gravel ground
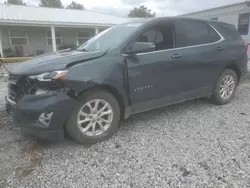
193	144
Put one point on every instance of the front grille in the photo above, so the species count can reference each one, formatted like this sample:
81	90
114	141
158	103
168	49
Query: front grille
18	86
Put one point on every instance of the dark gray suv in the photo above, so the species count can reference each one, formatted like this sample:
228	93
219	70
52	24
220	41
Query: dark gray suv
127	69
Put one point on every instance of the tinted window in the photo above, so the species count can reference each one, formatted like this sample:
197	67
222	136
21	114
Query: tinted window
152	35
213	35
228	31
190	33
148	36
161	35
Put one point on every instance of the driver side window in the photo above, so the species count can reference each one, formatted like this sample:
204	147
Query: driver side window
161	35
150	36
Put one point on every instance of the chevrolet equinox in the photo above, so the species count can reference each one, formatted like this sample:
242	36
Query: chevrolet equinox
124	70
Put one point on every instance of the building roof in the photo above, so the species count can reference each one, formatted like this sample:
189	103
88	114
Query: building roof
215	8
17	14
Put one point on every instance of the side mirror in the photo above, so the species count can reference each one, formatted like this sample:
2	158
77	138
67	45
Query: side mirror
141	47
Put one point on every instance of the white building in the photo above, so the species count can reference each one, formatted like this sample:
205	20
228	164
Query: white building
237	14
38	30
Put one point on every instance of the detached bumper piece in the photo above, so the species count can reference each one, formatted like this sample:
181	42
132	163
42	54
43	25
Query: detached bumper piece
42	115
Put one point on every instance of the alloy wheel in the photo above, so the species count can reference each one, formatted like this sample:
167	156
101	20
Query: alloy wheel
95	117
227	87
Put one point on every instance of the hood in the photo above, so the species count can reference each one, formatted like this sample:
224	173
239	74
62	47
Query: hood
52	61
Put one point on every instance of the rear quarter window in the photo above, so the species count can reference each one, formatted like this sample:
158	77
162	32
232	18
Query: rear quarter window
228	31
213	36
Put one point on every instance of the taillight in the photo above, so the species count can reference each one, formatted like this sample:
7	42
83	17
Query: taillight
245	47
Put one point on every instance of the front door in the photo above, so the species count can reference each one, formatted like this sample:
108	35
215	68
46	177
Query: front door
157	75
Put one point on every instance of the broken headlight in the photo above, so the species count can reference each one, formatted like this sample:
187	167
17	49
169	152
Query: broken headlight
49	76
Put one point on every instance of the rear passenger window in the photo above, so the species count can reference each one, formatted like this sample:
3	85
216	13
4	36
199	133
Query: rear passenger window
190	33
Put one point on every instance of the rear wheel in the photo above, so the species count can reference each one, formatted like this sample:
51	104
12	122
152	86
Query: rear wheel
96	118
225	88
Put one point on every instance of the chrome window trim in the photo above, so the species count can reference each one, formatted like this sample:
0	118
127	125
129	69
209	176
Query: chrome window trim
180	48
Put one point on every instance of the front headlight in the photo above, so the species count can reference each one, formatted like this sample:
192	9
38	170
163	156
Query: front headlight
48	76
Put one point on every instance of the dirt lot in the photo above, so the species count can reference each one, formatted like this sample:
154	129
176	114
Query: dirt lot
193	144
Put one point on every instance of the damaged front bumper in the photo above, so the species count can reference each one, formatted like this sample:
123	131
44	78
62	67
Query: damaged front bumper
42	115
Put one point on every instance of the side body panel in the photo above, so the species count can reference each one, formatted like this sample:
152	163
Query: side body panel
159	78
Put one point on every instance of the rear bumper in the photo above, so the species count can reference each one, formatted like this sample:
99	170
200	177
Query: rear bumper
27	111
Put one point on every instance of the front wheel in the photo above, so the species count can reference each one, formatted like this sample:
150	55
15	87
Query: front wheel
96	118
225	88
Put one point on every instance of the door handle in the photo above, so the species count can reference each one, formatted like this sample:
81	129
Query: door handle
176	56
220	48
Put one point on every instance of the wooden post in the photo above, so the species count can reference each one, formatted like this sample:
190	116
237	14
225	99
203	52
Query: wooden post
1	47
53	35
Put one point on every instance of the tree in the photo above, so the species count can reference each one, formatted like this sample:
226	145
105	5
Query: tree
141	12
75	5
51	3
15	2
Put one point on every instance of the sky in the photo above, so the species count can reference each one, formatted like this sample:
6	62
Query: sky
161	7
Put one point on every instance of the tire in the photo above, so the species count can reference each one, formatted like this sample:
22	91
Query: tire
217	97
76	130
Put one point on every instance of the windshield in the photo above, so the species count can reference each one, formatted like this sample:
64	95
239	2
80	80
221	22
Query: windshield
110	38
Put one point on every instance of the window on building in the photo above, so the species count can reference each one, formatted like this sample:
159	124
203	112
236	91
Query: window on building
58	35
18	37
214	18
83	36
190	33
243	24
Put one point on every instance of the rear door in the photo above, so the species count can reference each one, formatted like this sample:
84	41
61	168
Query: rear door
202	48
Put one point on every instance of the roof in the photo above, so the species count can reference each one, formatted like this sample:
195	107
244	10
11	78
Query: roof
215	8
17	14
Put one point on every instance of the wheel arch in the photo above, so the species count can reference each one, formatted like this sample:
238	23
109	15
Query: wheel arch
115	92
233	66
